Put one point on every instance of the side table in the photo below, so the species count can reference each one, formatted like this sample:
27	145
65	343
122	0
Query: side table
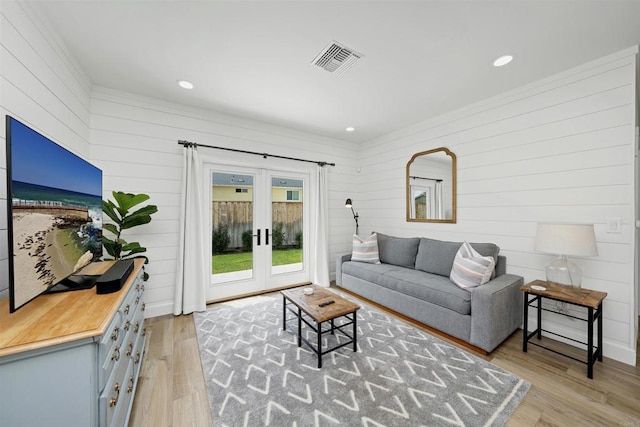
590	299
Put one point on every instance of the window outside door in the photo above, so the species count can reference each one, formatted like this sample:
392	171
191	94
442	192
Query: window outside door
259	226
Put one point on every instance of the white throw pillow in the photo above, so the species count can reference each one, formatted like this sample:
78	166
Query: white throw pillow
365	250
470	269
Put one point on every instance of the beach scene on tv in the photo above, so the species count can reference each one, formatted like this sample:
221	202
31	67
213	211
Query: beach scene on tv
56	213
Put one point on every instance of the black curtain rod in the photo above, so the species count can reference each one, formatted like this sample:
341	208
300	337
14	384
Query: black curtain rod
264	155
422	177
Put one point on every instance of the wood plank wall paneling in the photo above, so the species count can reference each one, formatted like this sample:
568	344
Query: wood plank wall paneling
42	87
134	140
560	149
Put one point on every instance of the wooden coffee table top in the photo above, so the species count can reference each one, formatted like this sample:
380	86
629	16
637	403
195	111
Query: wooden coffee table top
570	294
309	303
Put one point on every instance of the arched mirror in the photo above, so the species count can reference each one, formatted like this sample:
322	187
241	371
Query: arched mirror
431	186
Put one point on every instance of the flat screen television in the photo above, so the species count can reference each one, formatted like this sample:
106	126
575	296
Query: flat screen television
54	202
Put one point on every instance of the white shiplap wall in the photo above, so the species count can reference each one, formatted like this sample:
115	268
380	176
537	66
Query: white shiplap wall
134	141
42	87
560	149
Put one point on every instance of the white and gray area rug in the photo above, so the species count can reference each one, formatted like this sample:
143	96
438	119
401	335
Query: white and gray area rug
400	376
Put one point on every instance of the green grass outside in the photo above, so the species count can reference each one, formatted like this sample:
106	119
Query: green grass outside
228	263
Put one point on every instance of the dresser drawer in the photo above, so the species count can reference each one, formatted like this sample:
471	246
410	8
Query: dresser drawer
117	345
114	393
110	348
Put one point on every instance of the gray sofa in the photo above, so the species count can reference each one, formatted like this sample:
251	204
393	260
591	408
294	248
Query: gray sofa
413	279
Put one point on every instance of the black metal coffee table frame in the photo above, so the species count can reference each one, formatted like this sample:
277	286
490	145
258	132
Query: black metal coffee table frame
317	328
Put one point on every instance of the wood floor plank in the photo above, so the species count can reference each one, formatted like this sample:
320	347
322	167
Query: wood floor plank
153	395
161	345
192	411
187	381
172	391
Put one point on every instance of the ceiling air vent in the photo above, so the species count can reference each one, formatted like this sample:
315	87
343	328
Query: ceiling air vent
336	58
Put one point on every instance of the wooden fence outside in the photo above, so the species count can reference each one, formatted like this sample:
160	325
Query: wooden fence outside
238	217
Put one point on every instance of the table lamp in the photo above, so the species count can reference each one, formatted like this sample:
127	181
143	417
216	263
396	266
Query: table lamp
565	240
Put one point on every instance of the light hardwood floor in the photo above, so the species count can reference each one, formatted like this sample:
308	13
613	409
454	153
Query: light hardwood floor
171	390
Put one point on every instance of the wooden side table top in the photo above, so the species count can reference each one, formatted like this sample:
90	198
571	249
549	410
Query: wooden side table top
570	294
63	317
309	303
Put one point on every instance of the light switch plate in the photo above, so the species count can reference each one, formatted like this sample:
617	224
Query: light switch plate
612	225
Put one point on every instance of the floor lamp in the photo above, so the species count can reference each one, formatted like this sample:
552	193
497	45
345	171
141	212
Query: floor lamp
348	204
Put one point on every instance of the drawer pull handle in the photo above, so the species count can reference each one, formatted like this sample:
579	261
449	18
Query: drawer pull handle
138	287
137	300
144	332
137	359
126	309
114	400
143	306
129	349
115	333
127	325
142	287
116	354
130	387
136	328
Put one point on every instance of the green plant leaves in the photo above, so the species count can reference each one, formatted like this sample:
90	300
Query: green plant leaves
111	228
109	208
139	217
127	200
110	247
118	212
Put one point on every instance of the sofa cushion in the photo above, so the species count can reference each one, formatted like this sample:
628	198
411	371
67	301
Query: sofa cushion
373	273
399	251
365	250
435	289
436	256
470	269
418	284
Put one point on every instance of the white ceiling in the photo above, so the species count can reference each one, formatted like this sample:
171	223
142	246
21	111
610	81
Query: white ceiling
253	59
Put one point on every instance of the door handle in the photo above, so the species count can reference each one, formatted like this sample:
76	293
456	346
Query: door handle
258	236
266	236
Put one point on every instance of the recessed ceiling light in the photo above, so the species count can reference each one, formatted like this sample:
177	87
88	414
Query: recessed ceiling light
185	84
503	60
350	129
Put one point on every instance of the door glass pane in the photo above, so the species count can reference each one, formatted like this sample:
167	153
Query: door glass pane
232	202
287	224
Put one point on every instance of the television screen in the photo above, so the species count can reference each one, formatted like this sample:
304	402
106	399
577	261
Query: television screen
55	213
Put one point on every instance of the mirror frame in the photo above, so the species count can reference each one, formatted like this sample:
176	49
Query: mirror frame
453	187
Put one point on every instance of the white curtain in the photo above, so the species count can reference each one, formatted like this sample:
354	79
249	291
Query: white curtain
320	251
191	276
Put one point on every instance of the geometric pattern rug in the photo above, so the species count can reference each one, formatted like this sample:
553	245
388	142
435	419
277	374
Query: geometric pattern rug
256	375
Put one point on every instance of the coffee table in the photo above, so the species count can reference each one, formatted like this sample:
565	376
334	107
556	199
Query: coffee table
307	306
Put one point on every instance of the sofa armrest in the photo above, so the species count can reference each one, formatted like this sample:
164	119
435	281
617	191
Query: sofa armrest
339	260
496	310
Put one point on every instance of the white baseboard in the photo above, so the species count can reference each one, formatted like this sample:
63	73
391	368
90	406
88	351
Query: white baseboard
158	309
619	353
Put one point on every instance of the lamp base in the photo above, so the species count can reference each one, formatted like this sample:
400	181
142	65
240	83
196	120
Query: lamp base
564	272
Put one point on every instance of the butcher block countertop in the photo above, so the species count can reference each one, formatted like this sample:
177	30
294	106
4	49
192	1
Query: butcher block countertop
60	318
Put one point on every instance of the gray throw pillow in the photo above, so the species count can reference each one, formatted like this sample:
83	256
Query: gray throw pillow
400	251
436	256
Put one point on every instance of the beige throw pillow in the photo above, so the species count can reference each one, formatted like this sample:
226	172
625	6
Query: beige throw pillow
470	269
365	250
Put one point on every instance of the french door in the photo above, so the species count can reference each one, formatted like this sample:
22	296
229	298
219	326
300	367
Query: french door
259	228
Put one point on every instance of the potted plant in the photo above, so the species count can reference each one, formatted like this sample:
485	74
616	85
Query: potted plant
123	218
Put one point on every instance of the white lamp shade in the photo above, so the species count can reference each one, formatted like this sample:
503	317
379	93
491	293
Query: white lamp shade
566	239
